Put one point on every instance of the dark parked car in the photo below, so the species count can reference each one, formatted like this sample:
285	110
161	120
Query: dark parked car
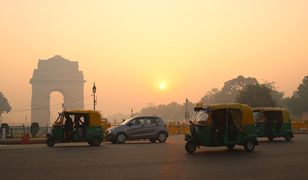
139	127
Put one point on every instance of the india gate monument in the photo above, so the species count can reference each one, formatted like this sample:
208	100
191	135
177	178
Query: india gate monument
55	74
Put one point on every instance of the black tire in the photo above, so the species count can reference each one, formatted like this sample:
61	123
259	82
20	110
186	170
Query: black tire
288	137
162	137
50	141
152	140
270	138
96	141
230	146
190	147
249	146
121	138
90	143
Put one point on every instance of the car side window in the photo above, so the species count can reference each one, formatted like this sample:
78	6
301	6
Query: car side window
154	121
146	121
140	121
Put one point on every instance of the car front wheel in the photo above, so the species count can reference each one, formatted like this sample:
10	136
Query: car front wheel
121	138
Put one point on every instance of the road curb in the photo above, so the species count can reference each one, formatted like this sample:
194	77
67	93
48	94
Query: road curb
19	141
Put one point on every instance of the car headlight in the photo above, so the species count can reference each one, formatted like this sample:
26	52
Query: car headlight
112	130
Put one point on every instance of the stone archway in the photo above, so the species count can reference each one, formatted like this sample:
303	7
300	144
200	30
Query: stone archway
55	74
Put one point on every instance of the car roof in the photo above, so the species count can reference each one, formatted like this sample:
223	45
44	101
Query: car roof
142	116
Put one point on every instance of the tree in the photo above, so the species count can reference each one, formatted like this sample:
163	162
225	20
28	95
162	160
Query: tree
34	129
4	104
298	103
257	95
229	90
172	111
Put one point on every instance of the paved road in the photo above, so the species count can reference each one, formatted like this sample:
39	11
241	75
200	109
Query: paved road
143	160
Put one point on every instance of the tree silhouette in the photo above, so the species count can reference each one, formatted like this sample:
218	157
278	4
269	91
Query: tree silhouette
4	104
229	91
257	95
298	103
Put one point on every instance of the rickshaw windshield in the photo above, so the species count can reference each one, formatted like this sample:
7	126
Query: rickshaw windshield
201	116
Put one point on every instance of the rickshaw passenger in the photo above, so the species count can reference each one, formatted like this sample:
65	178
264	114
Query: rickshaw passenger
86	121
79	125
76	121
219	120
232	130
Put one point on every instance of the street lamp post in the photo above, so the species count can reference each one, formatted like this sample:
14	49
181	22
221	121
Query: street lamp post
186	111
94	98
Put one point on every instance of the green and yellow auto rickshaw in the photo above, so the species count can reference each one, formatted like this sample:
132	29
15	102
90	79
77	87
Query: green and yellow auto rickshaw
222	125
77	126
272	122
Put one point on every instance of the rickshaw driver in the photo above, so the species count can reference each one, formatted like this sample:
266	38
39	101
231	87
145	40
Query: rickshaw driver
68	126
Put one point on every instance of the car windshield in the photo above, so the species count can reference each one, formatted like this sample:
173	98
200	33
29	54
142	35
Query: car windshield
200	116
126	121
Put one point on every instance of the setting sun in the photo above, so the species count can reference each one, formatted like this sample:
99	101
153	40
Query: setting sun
162	86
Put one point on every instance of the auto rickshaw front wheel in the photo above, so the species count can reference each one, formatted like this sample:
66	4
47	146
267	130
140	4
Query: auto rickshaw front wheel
50	141
121	138
190	147
249	146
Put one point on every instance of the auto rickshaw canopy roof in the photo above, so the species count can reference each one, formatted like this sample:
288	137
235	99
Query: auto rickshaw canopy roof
285	112
95	118
247	115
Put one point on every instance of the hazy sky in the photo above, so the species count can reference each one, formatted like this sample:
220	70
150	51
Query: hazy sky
129	47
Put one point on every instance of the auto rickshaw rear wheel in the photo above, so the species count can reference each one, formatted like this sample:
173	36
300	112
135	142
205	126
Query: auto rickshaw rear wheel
190	147
249	146
288	137
50	141
95	142
230	146
90	143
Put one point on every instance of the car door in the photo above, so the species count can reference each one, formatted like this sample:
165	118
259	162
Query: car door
134	128
150	125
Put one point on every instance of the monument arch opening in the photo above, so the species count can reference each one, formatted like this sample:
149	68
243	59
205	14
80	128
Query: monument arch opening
56	105
55	74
